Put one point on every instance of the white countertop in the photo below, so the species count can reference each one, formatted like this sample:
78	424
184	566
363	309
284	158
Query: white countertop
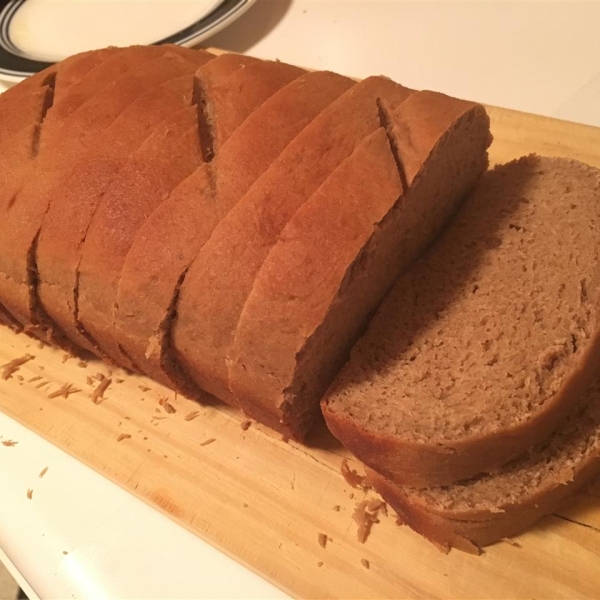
534	56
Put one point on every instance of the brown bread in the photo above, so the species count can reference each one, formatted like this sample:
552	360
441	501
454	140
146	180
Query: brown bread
486	509
482	348
172	236
220	278
20	228
148	178
343	249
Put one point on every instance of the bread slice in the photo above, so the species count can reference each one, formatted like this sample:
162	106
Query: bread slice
20	228
220	278
169	240
342	250
104	175
482	348
486	509
147	179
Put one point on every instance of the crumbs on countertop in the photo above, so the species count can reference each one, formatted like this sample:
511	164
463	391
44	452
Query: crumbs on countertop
14	365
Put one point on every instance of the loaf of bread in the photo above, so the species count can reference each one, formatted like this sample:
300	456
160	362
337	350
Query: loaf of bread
228	226
482	348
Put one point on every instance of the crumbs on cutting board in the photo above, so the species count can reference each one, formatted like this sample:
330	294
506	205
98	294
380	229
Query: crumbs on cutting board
30	494
10	368
65	391
208	441
144	388
366	515
34	378
245	424
43	472
123	436
322	539
192	415
9	443
353	479
365	563
98	393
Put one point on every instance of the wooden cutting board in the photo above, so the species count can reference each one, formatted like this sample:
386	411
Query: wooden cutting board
265	501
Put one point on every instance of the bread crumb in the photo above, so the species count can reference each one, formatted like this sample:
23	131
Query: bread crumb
353	479
119	380
65	357
320	564
89	380
322	540
351	496
13	366
65	391
365	519
30	494
192	415
65	552
169	408
208	441
245	424
123	436
98	393
41	384
20	377
99	376
144	388
337	508
43	472
245	505
9	443
510	541
285	438
36	378
365	563
82	363
41	344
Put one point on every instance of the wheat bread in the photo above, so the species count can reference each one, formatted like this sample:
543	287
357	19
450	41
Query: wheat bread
219	279
485	509
148	178
59	147
481	349
169	240
342	250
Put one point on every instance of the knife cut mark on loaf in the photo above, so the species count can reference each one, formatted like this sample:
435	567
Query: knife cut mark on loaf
470	360
220	277
153	174
195	208
304	312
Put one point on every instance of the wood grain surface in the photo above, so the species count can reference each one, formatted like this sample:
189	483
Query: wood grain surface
265	501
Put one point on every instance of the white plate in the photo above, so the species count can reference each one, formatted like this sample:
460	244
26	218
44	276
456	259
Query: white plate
37	33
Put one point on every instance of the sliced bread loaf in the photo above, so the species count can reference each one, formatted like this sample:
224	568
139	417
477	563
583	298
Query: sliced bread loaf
148	179
486	509
342	250
482	348
60	145
220	278
170	239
